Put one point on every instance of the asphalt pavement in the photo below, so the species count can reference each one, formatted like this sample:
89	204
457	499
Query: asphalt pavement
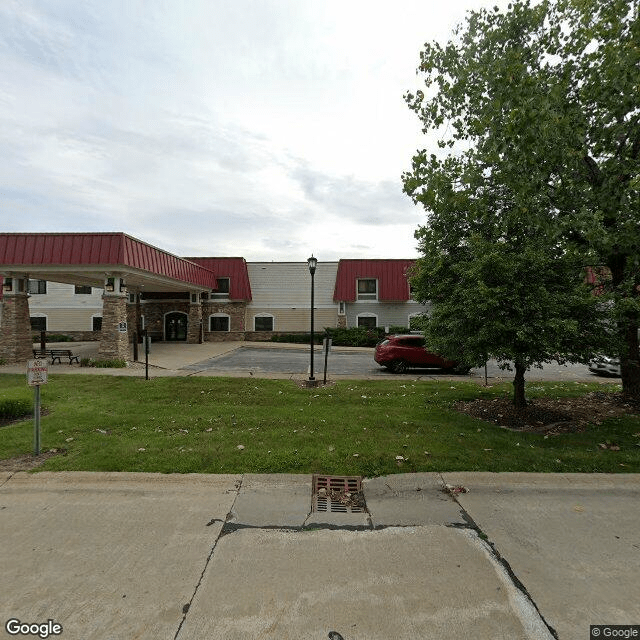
289	361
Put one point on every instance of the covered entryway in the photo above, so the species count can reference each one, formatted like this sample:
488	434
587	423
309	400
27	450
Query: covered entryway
175	326
125	268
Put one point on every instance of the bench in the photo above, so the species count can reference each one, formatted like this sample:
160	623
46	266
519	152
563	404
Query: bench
55	354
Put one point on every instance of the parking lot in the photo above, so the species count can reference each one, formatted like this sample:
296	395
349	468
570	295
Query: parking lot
257	360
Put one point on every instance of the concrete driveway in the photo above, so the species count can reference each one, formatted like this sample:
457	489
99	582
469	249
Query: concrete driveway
122	556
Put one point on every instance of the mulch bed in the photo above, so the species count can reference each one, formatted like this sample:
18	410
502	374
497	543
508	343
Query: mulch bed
28	462
550	416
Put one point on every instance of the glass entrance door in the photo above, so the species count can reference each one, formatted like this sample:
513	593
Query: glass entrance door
175	326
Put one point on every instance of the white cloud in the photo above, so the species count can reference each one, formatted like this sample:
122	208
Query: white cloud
268	130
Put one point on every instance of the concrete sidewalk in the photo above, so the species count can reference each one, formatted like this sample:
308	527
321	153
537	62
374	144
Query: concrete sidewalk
189	557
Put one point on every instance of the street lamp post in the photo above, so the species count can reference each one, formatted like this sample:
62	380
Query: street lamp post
312	262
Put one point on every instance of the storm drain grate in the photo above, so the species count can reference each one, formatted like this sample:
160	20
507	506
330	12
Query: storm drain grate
338	494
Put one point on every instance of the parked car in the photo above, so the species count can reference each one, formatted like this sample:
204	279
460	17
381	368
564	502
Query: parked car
400	352
605	366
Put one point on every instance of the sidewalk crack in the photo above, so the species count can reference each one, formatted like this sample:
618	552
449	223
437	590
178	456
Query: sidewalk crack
187	606
13	473
471	524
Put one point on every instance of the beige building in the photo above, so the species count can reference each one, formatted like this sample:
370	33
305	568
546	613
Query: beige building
281	294
62	308
110	286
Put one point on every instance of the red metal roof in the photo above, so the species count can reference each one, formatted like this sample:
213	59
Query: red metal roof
233	268
393	285
108	249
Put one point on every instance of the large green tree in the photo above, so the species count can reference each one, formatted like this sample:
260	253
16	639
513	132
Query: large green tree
535	117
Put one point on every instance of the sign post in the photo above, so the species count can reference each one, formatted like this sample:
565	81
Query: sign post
326	343
146	353
37	374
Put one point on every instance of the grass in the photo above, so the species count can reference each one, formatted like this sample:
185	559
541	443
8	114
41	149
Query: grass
182	425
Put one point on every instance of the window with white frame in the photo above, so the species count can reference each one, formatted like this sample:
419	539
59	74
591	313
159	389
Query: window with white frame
37	286
223	287
342	308
367	289
368	320
219	322
263	322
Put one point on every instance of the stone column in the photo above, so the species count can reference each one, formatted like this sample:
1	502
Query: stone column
194	328
16	340
114	338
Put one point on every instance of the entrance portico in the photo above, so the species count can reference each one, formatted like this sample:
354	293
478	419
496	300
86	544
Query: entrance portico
117	263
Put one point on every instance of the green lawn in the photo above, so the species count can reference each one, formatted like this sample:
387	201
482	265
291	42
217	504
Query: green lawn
183	425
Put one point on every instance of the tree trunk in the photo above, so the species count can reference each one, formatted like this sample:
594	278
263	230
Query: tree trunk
630	363
628	327
519	399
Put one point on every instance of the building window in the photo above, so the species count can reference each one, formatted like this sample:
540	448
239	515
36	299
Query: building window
38	323
368	320
219	322
342	308
222	289
96	323
263	323
37	286
368	289
82	289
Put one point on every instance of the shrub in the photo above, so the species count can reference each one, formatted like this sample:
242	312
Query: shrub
11	408
54	337
115	363
356	337
298	338
397	329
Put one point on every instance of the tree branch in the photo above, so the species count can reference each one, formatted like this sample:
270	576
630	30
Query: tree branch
594	171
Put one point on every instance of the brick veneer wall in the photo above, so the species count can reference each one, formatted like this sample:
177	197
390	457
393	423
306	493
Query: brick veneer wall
77	336
194	324
113	343
15	331
154	313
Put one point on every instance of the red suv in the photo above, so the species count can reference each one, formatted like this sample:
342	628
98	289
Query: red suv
398	353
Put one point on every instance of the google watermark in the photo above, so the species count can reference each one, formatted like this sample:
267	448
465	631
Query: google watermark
15	627
599	631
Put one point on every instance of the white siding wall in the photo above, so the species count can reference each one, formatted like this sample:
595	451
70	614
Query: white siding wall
66	310
388	313
283	289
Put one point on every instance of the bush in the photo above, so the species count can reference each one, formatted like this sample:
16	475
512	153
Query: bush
356	337
397	329
11	408
115	363
298	338
54	337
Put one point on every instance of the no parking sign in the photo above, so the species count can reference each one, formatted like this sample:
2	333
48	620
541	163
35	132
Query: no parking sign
37	374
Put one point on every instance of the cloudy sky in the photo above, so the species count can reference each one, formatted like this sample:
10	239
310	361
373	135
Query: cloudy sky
263	129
